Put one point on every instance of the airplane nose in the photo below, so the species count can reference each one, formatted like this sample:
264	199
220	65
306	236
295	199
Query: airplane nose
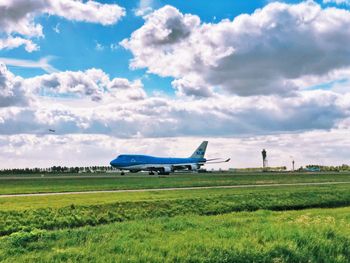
115	163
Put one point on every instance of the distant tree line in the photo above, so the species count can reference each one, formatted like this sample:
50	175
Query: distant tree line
259	169
324	168
58	169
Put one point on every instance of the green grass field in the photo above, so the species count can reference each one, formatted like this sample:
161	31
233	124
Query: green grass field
265	224
318	235
9	185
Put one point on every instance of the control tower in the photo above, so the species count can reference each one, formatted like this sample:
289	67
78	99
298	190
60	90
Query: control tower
264	156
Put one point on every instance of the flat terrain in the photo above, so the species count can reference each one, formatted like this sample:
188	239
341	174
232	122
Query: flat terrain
70	183
294	223
316	235
173	189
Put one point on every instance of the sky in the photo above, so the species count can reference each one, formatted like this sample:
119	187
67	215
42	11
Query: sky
158	77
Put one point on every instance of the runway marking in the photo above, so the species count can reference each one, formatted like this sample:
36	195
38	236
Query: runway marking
172	189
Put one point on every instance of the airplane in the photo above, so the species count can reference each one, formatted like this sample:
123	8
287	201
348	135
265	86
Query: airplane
313	169
163	165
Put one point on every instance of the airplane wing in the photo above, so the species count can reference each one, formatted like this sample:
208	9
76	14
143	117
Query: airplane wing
215	161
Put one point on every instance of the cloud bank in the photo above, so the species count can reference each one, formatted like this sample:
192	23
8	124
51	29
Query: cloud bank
17	18
267	52
90	102
251	83
325	148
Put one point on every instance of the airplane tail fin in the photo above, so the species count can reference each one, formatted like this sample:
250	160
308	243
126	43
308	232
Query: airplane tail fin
200	151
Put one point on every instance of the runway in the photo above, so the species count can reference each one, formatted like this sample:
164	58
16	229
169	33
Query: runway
173	189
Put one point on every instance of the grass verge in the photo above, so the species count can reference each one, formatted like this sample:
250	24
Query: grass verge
199	202
317	235
74	183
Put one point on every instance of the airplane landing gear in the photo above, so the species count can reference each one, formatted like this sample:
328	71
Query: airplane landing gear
122	173
164	173
151	173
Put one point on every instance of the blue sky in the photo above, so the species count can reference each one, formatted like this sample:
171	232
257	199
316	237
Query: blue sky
158	77
75	46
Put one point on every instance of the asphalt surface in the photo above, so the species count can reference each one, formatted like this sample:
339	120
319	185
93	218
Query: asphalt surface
173	189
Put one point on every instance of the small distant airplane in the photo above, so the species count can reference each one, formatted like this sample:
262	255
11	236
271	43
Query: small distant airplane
163	165
313	169
51	130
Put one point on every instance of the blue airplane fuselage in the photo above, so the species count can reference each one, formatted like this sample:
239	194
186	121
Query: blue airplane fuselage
162	165
139	161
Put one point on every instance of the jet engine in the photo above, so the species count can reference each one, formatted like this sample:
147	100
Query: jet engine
167	169
193	167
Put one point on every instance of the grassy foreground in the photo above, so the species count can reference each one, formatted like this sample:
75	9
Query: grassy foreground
10	185
258	224
318	235
27	214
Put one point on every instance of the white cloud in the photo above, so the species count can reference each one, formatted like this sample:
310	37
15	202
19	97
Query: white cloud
42	63
276	51
90	11
316	147
144	8
17	17
14	42
311	126
99	47
120	87
270	51
92	83
114	46
11	90
121	108
68	82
